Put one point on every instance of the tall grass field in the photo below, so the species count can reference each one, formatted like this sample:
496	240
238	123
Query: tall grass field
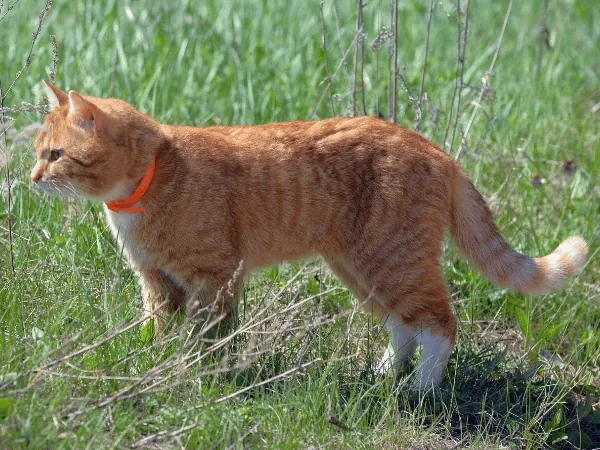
511	88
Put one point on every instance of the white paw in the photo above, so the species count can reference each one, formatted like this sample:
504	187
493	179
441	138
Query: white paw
388	363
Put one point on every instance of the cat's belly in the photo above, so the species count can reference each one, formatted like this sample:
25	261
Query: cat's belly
276	257
281	247
186	264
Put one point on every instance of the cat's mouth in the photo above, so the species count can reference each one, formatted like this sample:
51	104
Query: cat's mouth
57	188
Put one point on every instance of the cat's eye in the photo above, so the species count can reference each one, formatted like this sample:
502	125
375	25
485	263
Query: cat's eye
55	155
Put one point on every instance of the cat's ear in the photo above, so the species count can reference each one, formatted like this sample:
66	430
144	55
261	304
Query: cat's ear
56	97
84	113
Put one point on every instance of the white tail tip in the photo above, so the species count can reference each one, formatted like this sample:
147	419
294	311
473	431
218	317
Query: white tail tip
574	251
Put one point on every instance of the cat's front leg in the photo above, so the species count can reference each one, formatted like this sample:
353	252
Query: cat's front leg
161	297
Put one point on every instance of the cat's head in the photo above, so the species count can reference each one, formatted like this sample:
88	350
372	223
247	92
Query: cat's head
90	146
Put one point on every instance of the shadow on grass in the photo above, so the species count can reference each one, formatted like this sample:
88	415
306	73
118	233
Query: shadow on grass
484	395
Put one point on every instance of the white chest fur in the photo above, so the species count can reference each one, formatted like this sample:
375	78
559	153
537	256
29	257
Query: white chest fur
122	226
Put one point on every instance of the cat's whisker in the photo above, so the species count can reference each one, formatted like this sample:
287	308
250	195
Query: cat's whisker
52	185
71	188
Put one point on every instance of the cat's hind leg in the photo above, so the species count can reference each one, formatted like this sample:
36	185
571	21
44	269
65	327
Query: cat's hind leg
427	312
403	344
416	311
437	340
403	341
345	275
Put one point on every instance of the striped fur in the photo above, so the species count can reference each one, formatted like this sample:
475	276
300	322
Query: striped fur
373	199
480	242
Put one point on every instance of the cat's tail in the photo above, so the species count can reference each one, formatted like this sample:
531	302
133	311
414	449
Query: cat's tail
479	240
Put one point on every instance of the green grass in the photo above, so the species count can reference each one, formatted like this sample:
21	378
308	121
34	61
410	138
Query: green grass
526	371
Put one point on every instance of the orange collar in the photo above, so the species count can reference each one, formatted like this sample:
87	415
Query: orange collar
127	204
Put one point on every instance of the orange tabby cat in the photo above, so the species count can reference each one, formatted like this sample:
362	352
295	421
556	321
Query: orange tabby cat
373	199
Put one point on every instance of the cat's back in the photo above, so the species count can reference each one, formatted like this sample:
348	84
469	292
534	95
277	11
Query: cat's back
348	150
363	134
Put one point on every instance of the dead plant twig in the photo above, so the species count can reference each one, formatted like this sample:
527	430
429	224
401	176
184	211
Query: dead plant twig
55	58
459	82
185	429
422	90
11	252
544	39
359	49
30	55
8	9
485	81
394	97
462	49
101	342
3	95
342	62
324	43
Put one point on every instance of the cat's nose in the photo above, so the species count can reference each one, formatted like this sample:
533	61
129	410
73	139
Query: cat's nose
37	173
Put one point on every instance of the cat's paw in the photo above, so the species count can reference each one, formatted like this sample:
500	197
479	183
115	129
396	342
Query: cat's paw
388	363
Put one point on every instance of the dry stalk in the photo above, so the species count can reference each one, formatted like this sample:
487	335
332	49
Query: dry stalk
362	65
340	38
457	83
324	42
375	47
342	62
55	58
99	377
8	9
359	48
187	428
248	327
167	374
30	55
11	253
422	90
544	39
394	97
462	49
158	376
103	341
3	95
485	81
